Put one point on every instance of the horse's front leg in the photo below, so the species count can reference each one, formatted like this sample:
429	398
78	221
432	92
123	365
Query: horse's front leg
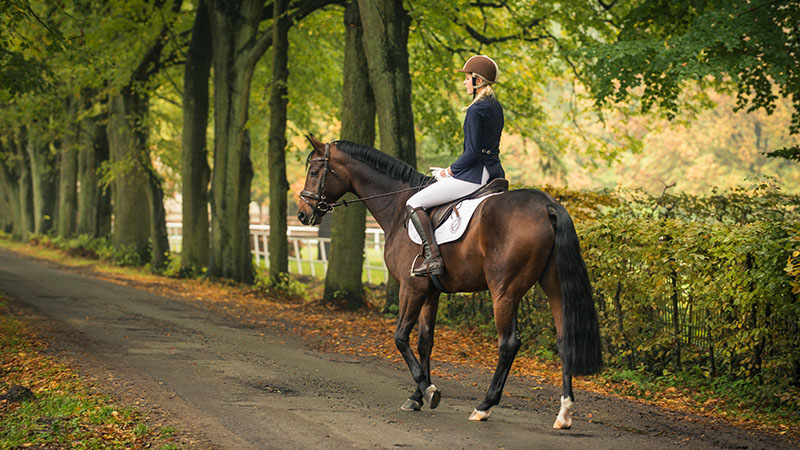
427	324
410	305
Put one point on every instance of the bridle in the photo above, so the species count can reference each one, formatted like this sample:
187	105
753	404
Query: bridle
322	206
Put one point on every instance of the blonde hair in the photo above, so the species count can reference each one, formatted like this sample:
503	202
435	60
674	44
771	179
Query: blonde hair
483	90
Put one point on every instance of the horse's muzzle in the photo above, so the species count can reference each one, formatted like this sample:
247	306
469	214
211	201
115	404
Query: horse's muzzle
313	219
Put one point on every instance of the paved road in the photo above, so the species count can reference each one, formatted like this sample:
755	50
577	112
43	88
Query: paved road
241	387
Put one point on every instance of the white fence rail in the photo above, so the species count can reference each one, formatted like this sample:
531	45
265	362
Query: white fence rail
308	252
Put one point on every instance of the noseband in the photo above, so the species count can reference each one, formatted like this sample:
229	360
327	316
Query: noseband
322	205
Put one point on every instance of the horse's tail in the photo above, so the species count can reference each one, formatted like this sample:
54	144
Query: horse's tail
581	340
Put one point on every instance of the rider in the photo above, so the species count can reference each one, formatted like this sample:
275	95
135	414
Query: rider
478	165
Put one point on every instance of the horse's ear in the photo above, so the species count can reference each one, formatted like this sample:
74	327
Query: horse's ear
314	141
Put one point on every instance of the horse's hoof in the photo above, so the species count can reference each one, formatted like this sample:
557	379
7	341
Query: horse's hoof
411	405
433	396
479	416
564	420
563	424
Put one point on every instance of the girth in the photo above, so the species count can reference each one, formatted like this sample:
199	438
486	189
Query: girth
439	214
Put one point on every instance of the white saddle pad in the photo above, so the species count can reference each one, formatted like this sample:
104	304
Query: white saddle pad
455	225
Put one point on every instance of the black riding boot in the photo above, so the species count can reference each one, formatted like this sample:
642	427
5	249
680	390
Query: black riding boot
432	264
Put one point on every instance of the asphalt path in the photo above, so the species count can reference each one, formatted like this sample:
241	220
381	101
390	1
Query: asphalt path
240	386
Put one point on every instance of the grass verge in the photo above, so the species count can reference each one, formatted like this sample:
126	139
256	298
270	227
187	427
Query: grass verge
67	411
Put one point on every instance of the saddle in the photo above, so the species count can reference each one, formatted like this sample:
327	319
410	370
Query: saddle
439	214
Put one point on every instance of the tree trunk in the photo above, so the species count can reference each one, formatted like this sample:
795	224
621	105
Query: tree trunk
91	198
131	213
234	30
68	178
105	210
158	217
346	259
195	173
9	183
385	40
44	178
278	185
25	186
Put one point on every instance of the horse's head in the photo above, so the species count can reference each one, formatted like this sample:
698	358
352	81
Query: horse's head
323	186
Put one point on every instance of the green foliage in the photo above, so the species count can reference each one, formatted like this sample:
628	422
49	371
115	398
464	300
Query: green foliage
791	153
285	286
102	248
748	46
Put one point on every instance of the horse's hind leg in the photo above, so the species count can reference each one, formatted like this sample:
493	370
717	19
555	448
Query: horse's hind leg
508	343
552	287
427	323
409	312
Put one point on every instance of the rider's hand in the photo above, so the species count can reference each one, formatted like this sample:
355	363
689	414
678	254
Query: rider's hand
438	173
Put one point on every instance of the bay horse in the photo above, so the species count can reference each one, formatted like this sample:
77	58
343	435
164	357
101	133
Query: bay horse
514	240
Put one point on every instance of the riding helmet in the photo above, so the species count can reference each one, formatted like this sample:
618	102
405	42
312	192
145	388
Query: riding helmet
483	66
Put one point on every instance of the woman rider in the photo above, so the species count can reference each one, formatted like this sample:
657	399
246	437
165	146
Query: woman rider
478	165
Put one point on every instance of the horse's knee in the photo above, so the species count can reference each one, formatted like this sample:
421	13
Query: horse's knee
508	347
401	340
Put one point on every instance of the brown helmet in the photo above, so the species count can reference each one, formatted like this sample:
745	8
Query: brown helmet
483	66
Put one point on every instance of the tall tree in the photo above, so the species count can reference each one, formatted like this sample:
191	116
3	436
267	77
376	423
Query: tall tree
94	202
24	184
195	173
237	45
385	40
68	174
9	182
125	140
278	185
44	177
343	280
139	225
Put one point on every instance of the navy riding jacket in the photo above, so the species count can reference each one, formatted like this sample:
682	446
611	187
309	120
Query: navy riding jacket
482	129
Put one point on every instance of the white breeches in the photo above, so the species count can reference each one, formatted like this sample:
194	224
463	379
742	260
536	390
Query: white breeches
445	190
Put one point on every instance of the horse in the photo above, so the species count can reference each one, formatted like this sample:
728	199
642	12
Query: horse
515	239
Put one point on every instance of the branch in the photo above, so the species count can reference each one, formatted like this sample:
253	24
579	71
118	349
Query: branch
480	4
457	51
150	63
489	40
566	57
607	6
304	8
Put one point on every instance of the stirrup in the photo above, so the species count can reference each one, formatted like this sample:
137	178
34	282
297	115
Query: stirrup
426	268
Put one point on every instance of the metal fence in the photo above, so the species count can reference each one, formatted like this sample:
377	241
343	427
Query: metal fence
308	253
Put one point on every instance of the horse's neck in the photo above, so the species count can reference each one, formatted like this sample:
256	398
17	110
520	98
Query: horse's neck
387	209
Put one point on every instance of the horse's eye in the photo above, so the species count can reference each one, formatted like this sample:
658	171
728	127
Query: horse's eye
314	173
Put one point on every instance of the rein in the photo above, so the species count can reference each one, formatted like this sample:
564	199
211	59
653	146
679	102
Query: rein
322	205
386	194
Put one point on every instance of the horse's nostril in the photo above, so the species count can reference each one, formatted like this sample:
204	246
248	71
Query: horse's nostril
301	216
